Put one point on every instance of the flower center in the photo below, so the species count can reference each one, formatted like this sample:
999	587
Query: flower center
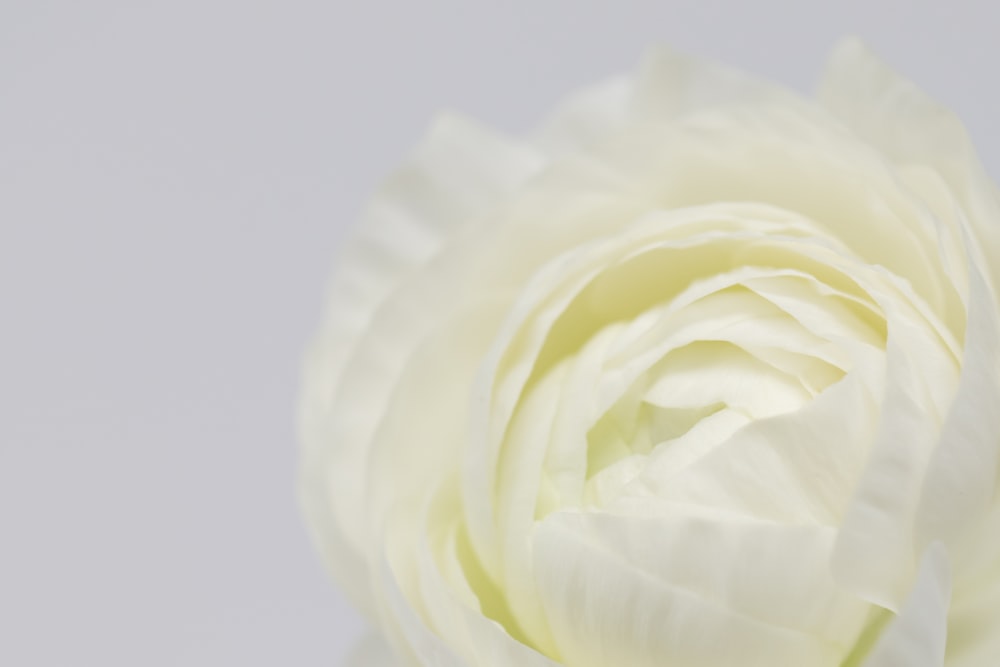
632	363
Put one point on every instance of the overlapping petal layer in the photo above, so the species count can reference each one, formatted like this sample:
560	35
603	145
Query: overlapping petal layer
706	375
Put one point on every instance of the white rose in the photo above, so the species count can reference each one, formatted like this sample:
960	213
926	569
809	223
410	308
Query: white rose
703	374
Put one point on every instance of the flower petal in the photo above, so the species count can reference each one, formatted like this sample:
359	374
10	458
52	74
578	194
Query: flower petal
671	85
692	590
918	635
457	173
962	479
905	124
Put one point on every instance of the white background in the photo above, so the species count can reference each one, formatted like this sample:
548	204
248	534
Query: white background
174	179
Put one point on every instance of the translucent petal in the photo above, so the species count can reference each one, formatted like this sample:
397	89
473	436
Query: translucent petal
482	640
671	85
691	591
892	114
407	631
422	434
587	117
703	374
434	595
626	487
459	170
668	85
973	619
961	484
804	164
520	482
797	467
876	554
918	635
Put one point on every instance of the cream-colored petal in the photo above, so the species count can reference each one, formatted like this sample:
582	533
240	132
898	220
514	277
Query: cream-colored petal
667	86
962	479
412	640
876	554
459	171
806	165
587	117
421	436
691	591
520	480
482	641
797	467
706	373
436	597
917	637
973	619
671	85
904	123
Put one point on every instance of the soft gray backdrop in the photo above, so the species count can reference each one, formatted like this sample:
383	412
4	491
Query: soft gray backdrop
174	179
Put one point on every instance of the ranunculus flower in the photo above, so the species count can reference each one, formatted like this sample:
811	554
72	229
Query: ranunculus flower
702	374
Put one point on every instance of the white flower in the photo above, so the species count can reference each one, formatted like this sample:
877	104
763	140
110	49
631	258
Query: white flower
703	374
